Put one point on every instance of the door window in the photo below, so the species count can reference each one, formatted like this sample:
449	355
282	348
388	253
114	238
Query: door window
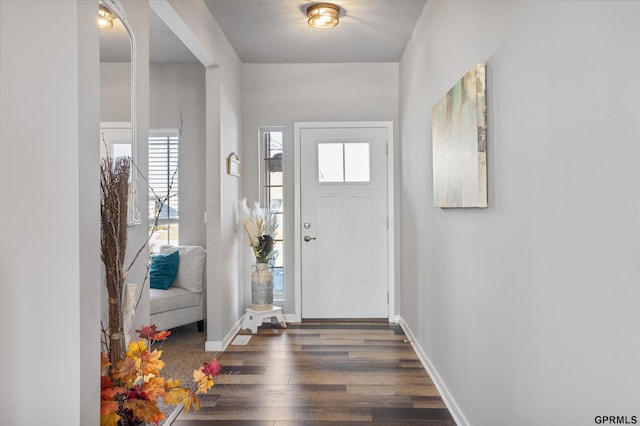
343	162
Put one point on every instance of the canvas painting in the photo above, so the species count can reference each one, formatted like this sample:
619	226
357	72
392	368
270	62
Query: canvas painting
459	137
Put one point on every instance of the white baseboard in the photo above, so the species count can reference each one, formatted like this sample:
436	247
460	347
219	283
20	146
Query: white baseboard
219	346
213	346
174	415
292	318
451	404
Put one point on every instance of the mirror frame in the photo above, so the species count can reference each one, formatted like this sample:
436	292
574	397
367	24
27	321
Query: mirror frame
133	213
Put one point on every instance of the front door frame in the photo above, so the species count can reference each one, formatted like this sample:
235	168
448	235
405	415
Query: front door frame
298	127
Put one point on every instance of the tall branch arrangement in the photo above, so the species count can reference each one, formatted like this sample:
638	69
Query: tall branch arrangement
114	192
160	201
131	383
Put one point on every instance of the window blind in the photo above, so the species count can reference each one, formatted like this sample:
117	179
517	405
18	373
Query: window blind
163	176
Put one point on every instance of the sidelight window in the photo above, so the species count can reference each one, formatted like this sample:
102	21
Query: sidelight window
272	182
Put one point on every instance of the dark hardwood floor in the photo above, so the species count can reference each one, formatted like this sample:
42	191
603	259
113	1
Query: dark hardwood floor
322	373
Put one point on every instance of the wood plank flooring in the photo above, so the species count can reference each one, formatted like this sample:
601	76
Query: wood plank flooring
322	373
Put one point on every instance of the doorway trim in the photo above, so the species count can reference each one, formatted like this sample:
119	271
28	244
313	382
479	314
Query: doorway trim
298	127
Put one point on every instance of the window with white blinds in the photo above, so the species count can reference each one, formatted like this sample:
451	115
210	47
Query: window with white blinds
163	176
164	184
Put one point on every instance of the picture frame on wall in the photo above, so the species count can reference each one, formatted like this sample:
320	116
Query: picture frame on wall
233	164
459	143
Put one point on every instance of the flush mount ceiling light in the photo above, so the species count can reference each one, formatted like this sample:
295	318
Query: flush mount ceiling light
323	15
105	17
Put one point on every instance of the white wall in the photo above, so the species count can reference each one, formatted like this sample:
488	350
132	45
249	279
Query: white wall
281	94
528	309
49	213
176	89
198	30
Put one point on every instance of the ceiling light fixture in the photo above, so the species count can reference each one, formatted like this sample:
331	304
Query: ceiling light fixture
105	17
323	15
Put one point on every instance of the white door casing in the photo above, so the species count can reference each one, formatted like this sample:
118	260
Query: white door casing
344	266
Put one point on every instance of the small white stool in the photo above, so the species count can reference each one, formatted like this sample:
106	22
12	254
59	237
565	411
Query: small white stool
253	318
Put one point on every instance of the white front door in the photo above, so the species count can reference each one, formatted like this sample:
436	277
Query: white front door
344	222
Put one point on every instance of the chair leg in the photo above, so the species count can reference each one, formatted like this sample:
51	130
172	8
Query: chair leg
201	326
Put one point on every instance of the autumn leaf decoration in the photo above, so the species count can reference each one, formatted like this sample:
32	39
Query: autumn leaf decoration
131	389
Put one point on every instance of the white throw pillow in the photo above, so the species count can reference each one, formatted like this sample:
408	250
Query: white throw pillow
190	267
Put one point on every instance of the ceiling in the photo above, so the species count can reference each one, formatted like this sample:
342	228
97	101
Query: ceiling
164	46
276	31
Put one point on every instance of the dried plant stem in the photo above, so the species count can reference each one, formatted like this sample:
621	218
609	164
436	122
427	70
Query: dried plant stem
161	201
114	191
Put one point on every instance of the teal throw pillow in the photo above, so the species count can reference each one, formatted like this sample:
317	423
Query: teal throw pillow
163	270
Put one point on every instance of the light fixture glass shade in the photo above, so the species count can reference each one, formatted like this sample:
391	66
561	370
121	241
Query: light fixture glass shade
323	15
105	17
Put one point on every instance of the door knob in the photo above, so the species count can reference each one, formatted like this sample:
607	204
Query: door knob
308	238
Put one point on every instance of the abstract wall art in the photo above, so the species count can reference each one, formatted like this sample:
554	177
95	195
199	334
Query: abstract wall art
459	138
